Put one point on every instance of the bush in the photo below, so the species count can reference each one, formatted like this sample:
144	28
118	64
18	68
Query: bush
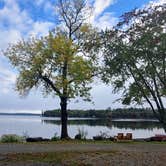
9	138
55	137
101	136
37	139
98	138
78	136
82	134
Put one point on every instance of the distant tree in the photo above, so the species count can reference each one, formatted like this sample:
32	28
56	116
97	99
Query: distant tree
59	63
135	58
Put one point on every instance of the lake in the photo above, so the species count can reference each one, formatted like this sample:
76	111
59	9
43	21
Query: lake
36	126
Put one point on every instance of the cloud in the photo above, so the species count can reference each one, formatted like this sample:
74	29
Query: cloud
39	2
153	3
7	79
16	24
9	36
158	2
100	6
102	19
12	16
46	5
107	20
49	7
17	21
41	28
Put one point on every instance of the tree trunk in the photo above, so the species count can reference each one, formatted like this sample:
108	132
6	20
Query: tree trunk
163	117
64	133
164	127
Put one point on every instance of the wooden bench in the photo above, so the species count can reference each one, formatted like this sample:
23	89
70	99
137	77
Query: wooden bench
122	137
129	136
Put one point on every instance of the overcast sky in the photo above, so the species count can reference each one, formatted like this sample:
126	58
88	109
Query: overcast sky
22	18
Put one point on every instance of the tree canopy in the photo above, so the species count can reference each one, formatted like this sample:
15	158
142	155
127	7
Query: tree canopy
40	64
62	63
135	58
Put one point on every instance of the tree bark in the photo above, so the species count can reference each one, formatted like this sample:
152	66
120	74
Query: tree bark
163	119
164	126
64	132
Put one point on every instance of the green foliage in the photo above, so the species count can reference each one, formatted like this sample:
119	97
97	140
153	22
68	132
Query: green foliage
55	137
83	133
135	58
10	138
41	61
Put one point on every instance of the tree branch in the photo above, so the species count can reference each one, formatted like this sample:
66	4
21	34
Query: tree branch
48	81
142	91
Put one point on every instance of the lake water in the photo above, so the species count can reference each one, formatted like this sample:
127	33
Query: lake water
36	126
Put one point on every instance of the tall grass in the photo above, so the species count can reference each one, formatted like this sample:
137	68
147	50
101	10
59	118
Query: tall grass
10	138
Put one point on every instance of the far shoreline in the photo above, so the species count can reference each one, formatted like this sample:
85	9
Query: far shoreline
82	118
20	114
141	119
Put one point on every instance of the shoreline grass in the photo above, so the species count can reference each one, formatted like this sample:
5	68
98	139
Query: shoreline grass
73	141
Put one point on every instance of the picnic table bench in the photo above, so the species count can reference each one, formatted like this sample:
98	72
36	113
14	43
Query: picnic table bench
121	136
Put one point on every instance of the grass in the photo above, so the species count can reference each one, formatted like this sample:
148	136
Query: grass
67	142
11	138
55	157
89	142
41	157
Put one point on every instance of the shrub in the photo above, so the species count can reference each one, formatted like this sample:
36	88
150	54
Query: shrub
78	136
82	134
9	138
55	137
101	136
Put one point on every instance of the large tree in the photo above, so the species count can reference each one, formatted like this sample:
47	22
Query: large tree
59	63
135	58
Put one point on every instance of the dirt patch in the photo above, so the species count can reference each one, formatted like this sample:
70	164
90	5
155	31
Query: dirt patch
69	154
114	158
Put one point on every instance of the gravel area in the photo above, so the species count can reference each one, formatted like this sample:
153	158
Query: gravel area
115	154
53	147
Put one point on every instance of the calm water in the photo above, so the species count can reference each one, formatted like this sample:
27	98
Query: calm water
36	126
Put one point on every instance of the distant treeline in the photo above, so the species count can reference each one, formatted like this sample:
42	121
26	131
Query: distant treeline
128	113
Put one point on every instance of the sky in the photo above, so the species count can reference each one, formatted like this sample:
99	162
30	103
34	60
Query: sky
23	18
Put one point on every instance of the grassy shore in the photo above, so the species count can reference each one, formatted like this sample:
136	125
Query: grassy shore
55	158
90	141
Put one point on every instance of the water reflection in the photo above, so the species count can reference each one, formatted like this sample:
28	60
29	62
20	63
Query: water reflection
89	122
138	124
37	126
